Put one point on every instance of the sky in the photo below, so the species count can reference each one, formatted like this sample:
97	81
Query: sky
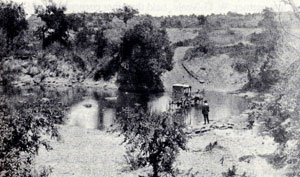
166	7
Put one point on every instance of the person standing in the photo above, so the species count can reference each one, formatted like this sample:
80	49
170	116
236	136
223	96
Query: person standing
205	111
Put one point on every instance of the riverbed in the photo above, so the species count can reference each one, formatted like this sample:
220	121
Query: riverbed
88	147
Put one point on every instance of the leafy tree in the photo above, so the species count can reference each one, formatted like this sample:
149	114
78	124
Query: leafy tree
21	128
12	20
202	20
153	139
126	13
145	53
57	24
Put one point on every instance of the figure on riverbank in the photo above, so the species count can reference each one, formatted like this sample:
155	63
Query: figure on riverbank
205	111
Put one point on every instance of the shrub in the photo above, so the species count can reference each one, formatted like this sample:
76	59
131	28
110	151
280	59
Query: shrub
151	139
230	172
21	128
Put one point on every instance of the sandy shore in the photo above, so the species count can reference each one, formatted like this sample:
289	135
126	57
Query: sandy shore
91	152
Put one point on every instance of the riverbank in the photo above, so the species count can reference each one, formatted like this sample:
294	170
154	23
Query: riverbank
91	152
65	83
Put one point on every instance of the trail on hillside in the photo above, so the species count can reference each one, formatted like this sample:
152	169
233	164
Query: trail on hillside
179	73
209	73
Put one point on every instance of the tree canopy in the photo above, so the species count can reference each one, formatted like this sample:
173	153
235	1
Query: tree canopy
57	24
12	20
145	53
126	13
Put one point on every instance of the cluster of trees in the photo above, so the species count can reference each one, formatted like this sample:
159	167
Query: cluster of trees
233	20
262	76
183	21
137	50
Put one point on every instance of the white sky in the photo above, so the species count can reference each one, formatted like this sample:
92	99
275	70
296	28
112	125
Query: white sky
166	7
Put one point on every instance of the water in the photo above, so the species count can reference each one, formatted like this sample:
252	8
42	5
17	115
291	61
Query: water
96	109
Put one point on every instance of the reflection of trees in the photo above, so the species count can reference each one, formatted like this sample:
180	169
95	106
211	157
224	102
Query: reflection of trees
132	100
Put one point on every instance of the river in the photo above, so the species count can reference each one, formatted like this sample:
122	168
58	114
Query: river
96	109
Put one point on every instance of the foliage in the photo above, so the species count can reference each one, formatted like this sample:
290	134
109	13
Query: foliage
153	139
109	38
84	37
143	55
203	46
202	43
57	24
278	115
9	71
126	13
183	21
12	20
22	129
259	63
230	172
202	19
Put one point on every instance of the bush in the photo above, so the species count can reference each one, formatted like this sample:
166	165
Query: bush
22	128
151	139
230	172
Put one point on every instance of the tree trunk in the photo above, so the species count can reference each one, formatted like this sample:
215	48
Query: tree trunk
155	170
249	75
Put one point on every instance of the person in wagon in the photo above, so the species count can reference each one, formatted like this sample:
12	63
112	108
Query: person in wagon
205	111
197	96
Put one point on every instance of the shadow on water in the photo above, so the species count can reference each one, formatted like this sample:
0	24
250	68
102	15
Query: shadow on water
96	109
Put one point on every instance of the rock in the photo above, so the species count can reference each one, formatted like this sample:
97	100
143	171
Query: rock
87	105
50	58
246	158
26	79
45	99
33	71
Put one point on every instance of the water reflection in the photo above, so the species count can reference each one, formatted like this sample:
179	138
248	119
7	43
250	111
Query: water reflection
84	114
92	108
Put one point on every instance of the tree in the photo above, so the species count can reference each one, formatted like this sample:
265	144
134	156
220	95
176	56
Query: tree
153	139
12	20
126	13
57	24
259	61
202	20
23	128
145	54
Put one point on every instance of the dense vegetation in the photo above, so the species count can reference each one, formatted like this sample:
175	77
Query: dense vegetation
23	127
154	139
135	49
144	55
256	56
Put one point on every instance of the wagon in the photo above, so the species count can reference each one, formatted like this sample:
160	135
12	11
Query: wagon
182	96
